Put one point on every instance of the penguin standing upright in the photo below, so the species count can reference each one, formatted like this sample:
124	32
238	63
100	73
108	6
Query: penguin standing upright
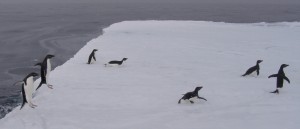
280	78
92	57
43	74
45	71
253	68
27	90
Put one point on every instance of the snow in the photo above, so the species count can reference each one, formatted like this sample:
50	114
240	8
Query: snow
165	60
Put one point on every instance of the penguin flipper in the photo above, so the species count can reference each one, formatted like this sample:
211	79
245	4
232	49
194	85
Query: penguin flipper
179	101
273	75
201	98
41	83
94	57
24	97
22	105
287	79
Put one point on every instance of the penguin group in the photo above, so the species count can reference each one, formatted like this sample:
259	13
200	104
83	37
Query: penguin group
280	79
92	59
45	69
280	75
28	82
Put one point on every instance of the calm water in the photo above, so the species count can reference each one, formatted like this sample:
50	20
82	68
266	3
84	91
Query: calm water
30	31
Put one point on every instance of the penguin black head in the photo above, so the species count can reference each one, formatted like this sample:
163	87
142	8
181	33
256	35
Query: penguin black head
198	88
284	65
95	50
259	61
125	59
49	56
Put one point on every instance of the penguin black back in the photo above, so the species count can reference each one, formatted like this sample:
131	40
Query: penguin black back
253	68
92	56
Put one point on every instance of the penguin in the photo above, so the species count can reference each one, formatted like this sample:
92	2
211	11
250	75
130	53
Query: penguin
43	75
45	71
189	95
92	56
253	68
27	90
115	62
280	78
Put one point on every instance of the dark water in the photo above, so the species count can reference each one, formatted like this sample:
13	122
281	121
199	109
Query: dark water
30	31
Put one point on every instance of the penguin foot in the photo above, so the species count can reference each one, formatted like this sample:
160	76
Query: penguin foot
191	101
32	105
276	91
50	86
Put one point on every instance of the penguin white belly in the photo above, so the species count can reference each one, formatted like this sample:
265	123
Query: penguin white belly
48	71
92	61
29	89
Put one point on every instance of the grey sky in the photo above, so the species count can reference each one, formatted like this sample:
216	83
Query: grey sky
181	1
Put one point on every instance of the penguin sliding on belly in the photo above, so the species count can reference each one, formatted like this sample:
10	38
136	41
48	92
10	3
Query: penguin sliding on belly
253	68
189	95
45	71
27	90
115	62
92	57
280	78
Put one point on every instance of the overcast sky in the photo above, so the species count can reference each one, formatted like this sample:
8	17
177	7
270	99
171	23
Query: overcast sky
198	1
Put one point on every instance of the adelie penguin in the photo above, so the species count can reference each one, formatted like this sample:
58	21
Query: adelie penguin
45	71
280	78
189	95
115	62
92	57
43	75
27	90
253	68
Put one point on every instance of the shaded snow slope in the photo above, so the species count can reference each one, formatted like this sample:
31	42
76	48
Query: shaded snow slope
165	60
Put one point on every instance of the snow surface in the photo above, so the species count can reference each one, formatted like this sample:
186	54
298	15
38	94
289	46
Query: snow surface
165	60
